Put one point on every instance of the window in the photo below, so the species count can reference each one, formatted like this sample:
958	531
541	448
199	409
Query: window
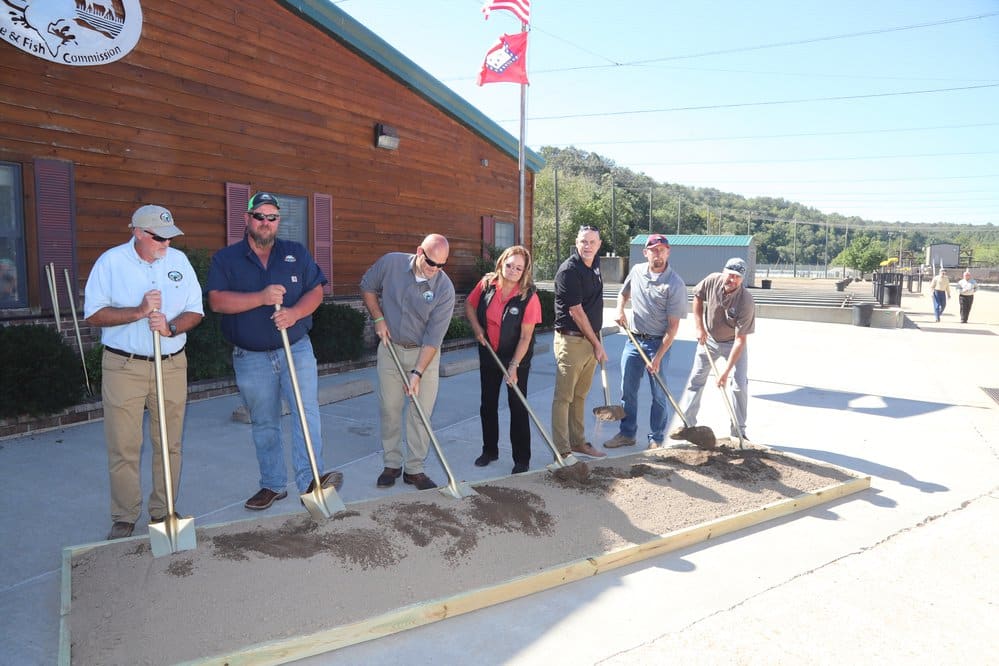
13	282
294	218
505	235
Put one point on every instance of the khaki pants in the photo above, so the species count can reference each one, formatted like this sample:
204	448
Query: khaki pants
574	363
128	389
392	400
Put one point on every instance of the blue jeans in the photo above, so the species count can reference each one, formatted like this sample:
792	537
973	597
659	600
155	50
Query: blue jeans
263	379
633	368
939	302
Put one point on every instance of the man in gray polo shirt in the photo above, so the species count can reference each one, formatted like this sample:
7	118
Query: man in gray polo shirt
411	302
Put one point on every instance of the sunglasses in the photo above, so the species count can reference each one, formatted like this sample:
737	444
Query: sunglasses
260	217
514	268
158	239
433	263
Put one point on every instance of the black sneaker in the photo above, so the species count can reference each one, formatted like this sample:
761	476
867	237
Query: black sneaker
485	459
264	498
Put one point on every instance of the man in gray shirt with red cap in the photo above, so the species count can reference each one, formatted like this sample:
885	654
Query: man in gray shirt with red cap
725	314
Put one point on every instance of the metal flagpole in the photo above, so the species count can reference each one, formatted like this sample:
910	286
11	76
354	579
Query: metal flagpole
520	151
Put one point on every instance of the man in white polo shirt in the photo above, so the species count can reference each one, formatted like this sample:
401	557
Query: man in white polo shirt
136	288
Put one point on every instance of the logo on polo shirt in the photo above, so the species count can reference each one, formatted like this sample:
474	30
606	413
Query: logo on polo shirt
515	310
290	258
176	276
428	296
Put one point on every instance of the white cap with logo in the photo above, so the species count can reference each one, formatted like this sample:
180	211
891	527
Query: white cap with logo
156	219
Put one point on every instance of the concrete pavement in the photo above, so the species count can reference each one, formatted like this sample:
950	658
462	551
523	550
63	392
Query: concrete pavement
904	572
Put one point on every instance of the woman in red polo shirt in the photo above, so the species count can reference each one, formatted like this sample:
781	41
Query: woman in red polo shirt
503	309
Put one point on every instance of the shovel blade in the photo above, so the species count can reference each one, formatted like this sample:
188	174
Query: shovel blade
567	461
458	490
172	536
322	503
609	412
702	437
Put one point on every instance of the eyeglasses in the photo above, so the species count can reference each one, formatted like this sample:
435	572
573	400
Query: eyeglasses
513	267
431	262
158	239
260	217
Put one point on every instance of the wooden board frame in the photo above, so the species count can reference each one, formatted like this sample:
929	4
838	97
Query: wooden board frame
416	615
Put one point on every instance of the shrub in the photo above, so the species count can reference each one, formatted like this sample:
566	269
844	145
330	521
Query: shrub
42	374
547	299
209	356
458	329
337	333
94	355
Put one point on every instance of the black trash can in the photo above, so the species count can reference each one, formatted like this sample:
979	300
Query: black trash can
893	295
862	314
766	283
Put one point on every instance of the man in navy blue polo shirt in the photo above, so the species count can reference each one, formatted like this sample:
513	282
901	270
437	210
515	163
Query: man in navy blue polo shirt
246	280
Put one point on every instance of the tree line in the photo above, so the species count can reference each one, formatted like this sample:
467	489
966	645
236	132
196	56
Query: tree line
593	190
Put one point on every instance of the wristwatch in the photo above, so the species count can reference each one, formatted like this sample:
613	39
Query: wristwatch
173	329
416	372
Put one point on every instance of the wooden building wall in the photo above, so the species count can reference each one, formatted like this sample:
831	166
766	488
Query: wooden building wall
246	91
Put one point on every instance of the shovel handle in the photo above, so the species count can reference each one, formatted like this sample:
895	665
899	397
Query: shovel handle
161	417
298	403
724	391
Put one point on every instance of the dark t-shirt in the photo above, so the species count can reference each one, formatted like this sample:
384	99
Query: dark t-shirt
579	284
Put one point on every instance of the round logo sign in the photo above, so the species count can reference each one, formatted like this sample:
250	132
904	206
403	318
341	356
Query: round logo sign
72	32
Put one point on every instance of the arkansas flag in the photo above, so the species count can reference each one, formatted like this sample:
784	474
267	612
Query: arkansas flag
506	61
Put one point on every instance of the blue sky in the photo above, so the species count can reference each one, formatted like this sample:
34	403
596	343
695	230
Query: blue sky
620	78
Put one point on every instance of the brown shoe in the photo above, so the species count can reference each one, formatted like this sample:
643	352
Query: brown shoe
421	481
264	498
388	477
160	519
619	440
328	479
120	530
588	449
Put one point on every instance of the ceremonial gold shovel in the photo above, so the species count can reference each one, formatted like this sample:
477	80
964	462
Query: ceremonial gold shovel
560	460
174	534
321	502
453	488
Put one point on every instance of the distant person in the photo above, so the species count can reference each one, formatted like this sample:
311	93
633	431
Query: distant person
966	288
939	287
503	309
579	311
411	302
134	289
658	297
725	315
245	281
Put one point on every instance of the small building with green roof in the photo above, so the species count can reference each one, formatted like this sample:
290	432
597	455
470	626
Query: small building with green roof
696	256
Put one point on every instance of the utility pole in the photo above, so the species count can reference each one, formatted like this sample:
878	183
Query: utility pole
558	237
749	223
707	219
613	211
678	200
825	272
794	247
650	210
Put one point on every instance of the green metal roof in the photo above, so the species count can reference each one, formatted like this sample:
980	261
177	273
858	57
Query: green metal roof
328	18
699	240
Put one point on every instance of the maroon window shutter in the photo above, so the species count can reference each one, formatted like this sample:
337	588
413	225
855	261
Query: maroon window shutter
488	233
322	236
237	196
56	214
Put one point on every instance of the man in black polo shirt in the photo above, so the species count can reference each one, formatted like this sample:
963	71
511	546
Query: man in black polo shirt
579	310
246	280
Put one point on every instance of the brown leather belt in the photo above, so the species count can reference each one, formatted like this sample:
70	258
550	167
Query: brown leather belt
139	357
406	345
566	331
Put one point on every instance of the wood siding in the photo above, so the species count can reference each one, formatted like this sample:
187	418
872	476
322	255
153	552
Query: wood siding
248	92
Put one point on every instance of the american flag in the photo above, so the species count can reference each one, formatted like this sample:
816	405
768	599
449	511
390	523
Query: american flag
520	8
